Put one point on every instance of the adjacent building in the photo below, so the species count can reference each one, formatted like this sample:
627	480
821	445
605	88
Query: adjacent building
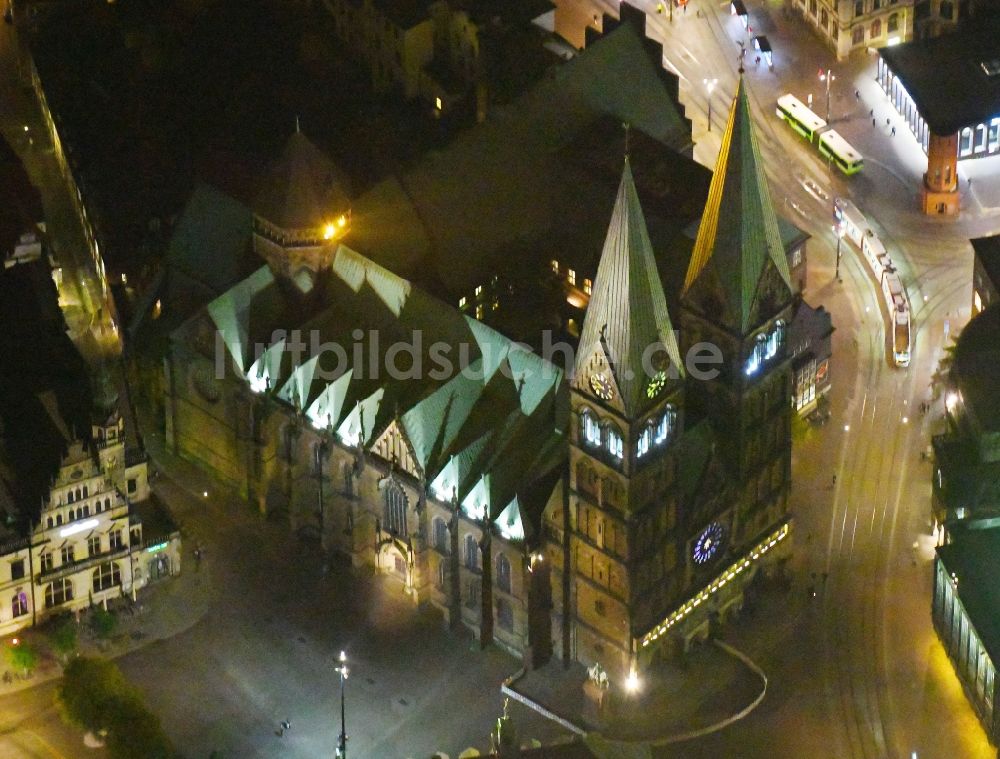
964	611
87	546
985	272
967	455
947	90
437	50
849	25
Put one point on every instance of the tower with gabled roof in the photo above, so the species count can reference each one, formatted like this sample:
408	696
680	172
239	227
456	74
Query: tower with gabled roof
737	296
626	400
302	213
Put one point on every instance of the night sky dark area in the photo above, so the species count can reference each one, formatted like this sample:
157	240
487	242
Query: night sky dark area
153	95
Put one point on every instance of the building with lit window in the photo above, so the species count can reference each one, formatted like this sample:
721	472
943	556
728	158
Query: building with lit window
966	510
967	456
435	50
932	18
87	547
849	25
985	272
965	610
947	91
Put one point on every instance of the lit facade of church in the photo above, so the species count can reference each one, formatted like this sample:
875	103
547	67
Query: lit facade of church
603	514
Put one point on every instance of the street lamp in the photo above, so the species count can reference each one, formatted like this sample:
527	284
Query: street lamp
632	682
709	86
839	229
827	76
342	743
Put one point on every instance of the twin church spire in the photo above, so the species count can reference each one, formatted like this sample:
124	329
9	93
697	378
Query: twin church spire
738	275
628	344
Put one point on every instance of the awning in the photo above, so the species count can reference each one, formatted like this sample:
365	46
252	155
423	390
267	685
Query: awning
739	9
761	43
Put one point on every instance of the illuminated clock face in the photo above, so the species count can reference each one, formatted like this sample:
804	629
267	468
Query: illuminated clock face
708	543
656	384
602	387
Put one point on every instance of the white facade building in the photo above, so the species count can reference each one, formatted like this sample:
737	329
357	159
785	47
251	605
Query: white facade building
87	547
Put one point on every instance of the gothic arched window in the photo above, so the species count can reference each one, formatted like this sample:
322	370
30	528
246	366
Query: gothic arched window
471	552
503	573
591	429
395	509
644	442
616	445
505	615
665	427
441	535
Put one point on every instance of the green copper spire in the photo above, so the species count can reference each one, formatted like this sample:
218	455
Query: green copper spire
627	316
738	271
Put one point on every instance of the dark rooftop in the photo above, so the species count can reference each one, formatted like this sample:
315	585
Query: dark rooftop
405	14
436	222
975	373
987	250
949	77
974	559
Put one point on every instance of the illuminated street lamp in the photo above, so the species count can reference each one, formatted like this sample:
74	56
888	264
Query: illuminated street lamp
632	681
709	86
342	742
827	76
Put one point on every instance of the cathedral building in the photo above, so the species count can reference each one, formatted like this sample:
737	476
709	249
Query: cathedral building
605	510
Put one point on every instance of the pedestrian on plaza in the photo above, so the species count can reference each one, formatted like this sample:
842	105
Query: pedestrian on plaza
857	95
873	123
871	112
834	479
685	8
888	122
893	131
757	61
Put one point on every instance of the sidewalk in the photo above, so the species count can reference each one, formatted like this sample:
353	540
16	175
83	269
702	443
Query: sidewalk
708	689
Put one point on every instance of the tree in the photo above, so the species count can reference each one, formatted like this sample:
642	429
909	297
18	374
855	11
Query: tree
63	637
87	691
102	622
94	695
22	656
135	731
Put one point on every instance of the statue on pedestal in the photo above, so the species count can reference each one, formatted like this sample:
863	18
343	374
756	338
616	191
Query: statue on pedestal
597	687
503	739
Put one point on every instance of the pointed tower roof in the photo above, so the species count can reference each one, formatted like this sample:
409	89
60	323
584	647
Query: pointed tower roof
628	310
304	188
738	255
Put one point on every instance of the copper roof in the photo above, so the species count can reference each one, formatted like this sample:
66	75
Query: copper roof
627	313
738	250
305	188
